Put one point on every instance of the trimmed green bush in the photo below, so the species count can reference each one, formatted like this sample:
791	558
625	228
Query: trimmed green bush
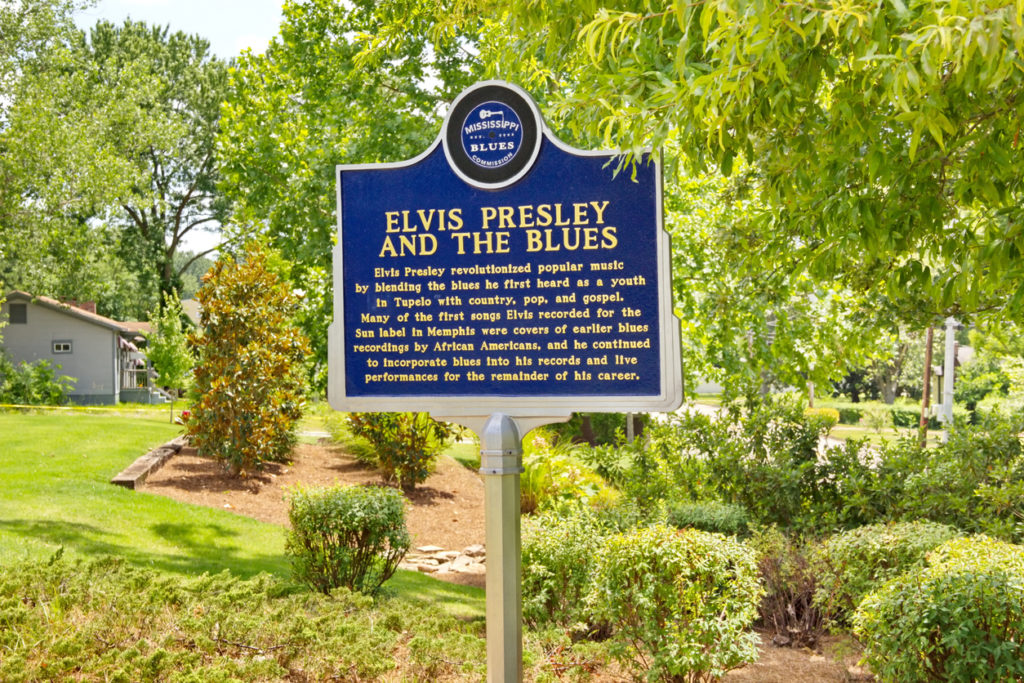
828	417
557	561
709	515
680	603
850	416
406	444
910	416
852	564
960	618
351	536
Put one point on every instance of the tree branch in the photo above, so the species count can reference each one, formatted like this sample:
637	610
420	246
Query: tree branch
195	258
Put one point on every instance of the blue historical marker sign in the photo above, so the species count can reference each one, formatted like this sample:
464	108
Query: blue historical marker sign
502	270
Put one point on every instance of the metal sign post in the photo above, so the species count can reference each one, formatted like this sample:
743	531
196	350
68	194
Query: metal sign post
501	463
502	280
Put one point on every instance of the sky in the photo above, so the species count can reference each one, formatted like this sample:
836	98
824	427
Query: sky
229	25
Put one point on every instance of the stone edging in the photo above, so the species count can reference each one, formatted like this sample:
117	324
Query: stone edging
133	475
432	559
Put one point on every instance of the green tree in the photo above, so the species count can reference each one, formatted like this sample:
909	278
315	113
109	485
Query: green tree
248	378
29	28
54	167
167	346
880	139
754	331
172	138
106	154
306	105
743	327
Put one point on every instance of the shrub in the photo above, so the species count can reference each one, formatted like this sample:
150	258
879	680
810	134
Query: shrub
829	417
557	554
351	536
33	383
709	515
406	444
680	603
249	374
766	461
910	416
787	607
959	618
553	476
852	564
905	416
968	482
850	416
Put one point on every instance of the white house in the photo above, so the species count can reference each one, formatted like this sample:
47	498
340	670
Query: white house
100	353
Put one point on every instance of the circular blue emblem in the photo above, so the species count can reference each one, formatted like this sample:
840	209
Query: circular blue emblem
492	134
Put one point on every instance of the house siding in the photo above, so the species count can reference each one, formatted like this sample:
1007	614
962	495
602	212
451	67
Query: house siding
91	362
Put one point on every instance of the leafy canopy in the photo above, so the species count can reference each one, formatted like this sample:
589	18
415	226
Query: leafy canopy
880	139
306	105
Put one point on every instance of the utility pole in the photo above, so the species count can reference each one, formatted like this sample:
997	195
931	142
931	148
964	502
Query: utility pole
947	378
927	393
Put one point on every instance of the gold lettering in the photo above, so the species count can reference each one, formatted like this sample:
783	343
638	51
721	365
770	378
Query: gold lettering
599	210
426	218
526	217
505	217
487	214
533	239
558	216
610	239
455	219
388	249
566	232
392	218
543	215
580	212
461	239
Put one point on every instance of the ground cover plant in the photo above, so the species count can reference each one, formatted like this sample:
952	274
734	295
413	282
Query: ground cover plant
108	620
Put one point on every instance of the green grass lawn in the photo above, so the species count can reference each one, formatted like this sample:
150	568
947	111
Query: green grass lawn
55	471
877	438
466	453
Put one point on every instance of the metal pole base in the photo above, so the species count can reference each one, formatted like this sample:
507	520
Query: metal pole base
501	462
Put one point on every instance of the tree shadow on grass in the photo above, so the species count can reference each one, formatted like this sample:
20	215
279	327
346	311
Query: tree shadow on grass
202	547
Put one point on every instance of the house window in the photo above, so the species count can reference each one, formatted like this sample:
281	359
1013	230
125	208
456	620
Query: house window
18	313
62	346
